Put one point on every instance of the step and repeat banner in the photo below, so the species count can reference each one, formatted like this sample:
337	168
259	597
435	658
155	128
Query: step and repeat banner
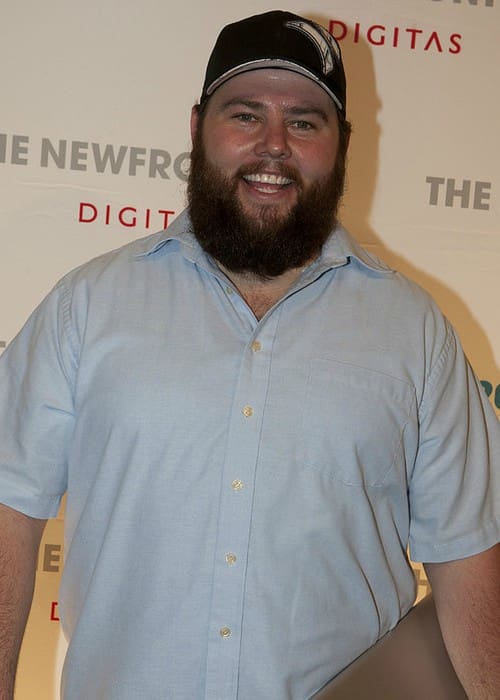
94	151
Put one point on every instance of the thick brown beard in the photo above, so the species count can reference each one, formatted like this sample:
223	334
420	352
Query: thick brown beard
269	244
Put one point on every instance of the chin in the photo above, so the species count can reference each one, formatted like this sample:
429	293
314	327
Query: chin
266	211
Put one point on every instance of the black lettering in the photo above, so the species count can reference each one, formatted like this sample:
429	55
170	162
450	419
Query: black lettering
51	558
58	156
159	161
108	157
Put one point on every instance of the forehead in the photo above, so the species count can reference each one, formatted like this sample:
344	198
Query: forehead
273	86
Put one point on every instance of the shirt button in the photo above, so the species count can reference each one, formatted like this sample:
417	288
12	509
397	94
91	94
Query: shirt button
247	411
256	346
229	290
230	558
237	485
225	632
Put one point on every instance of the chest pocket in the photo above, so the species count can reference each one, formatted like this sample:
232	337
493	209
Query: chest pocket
354	419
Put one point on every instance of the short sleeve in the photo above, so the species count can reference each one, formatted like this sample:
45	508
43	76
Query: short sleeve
37	374
455	485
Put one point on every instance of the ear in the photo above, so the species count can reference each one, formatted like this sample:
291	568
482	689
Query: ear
348	141
194	121
347	135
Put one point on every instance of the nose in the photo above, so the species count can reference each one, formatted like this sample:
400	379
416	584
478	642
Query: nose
273	140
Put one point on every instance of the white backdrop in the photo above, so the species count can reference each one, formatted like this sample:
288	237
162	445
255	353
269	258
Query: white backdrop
93	152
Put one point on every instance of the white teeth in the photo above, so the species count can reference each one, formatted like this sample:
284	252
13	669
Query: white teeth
268	179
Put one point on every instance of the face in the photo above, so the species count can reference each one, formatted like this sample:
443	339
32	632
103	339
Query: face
276	131
266	172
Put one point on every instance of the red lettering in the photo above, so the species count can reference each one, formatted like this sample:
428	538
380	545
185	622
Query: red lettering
434	38
343	29
133	220
454	39
381	39
127	216
413	33
53	609
166	213
92	208
381	35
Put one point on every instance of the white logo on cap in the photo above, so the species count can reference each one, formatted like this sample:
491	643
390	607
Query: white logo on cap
323	41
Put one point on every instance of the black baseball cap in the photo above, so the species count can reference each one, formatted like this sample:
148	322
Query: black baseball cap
278	39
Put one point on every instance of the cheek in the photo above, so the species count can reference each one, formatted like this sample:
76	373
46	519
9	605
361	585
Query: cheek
225	148
317	163
226	158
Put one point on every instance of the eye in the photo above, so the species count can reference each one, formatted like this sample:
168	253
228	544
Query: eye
245	117
302	125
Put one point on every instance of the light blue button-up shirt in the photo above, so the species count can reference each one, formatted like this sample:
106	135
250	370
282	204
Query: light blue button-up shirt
241	493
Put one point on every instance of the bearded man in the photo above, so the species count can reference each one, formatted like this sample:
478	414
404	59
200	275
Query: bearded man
270	411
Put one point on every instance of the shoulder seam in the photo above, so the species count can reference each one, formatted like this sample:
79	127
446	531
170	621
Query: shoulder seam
66	323
438	365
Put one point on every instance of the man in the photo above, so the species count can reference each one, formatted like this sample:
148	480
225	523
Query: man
252	418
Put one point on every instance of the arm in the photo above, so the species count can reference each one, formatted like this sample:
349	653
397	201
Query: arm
467	597
19	540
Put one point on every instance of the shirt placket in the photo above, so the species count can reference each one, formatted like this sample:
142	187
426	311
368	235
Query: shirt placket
235	515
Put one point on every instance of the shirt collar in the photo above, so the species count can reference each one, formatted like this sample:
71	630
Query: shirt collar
179	230
339	249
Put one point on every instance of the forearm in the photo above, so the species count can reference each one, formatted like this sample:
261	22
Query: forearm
19	541
467	595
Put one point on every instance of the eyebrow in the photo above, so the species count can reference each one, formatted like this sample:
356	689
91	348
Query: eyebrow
299	110
293	110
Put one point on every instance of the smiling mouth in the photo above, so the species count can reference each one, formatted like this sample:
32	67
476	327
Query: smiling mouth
268	179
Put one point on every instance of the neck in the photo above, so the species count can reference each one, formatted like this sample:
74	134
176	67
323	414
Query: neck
263	293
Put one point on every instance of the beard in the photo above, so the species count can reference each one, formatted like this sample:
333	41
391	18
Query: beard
268	242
